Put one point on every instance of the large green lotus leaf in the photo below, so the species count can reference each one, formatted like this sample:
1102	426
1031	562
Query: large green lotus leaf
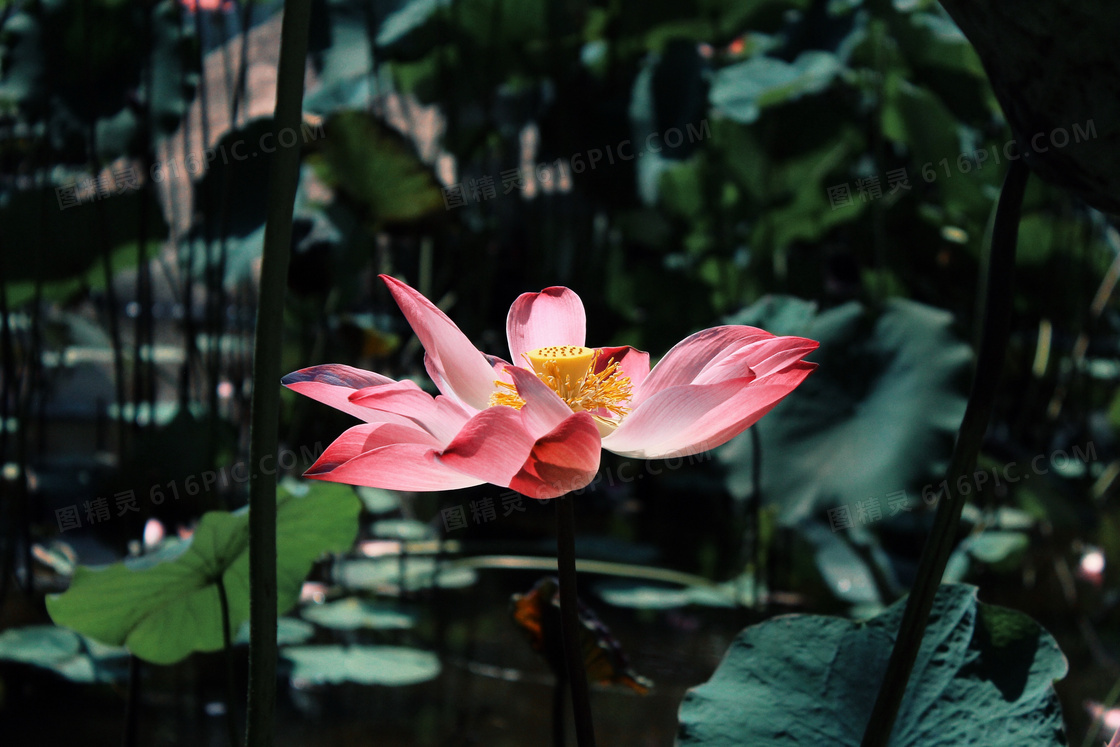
878	416
164	611
44	242
984	676
365	665
63	651
376	169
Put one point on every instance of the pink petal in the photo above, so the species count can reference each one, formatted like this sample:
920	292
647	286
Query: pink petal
562	461
386	455
496	447
491	447
441	416
543	409
634	363
691	418
554	316
757	359
706	351
684	362
332	384
456	366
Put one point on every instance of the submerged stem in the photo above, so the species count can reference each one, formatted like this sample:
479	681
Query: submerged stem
569	621
227	650
997	305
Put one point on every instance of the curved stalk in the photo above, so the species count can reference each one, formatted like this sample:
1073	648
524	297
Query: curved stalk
997	304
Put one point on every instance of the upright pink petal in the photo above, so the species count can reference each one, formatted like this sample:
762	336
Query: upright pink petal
554	316
562	461
687	419
386	455
543	409
457	367
332	384
757	359
633	363
684	362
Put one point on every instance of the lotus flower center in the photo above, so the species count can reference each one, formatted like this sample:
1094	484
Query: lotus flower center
570	371
567	363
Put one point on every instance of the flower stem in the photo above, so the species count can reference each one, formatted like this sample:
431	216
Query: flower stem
997	304
569	621
227	650
264	415
558	711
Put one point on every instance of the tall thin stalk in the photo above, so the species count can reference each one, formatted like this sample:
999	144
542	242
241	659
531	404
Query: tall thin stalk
263	434
997	304
569	621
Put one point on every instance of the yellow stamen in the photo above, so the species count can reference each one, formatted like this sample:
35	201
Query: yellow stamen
568	371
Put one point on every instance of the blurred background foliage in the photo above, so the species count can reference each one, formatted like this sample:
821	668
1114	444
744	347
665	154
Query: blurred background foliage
810	166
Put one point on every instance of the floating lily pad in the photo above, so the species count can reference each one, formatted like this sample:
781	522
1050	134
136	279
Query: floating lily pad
651	597
983	677
353	613
378	501
167	610
365	665
63	651
418	573
289	631
409	530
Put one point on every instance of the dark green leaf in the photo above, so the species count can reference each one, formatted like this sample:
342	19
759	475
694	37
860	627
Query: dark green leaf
877	417
983	677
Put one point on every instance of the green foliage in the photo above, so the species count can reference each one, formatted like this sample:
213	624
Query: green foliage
876	418
163	608
71	65
67	250
985	675
375	170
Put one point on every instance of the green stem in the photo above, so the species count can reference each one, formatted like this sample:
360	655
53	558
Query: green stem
263	435
997	305
227	647
569	621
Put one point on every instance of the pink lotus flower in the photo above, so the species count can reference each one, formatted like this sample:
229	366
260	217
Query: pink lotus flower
538	425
